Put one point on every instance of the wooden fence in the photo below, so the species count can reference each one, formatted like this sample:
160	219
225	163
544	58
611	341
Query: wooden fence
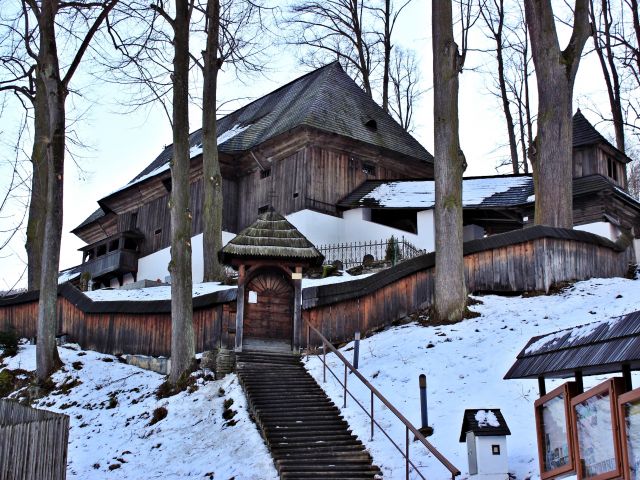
532	259
33	443
526	260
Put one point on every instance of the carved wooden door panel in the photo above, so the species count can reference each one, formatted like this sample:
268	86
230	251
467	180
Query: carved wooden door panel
269	307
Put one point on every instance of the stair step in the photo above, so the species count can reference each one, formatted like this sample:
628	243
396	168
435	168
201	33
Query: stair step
304	430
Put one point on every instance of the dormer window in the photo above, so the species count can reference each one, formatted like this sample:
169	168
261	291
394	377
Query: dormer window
612	169
371	125
265	173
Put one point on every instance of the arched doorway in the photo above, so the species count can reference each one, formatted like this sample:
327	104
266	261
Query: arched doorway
268	314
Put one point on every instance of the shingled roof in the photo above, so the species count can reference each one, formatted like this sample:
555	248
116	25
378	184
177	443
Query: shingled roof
271	236
487	422
326	99
585	134
594	348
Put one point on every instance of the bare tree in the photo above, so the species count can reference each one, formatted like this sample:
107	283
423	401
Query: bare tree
450	289
336	29
46	85
601	21
493	14
360	35
182	334
234	30
555	72
405	87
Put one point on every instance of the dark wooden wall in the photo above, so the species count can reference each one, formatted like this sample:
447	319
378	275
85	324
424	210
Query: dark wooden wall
528	266
500	264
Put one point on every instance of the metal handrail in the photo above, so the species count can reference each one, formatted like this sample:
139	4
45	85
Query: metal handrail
374	392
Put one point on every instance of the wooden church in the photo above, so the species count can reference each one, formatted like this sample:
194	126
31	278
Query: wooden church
315	150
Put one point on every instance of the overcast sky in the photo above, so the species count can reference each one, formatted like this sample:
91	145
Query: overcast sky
121	144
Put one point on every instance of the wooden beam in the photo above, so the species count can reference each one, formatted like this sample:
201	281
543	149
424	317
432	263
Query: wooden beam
542	388
626	375
240	308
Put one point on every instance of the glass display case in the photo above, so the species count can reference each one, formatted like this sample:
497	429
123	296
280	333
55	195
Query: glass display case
553	426
594	418
629	414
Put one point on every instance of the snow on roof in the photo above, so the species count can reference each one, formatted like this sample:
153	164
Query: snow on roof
193	152
421	193
486	418
151	293
569	336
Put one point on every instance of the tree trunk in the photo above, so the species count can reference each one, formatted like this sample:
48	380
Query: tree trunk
450	290
182	335
47	359
555	72
387	55
212	179
39	179
513	145
609	70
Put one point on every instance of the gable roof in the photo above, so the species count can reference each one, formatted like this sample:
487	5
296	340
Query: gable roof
585	134
483	422
271	236
326	99
594	348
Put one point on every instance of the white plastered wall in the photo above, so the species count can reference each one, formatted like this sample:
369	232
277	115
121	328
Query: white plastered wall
604	229
636	246
156	265
490	466
356	226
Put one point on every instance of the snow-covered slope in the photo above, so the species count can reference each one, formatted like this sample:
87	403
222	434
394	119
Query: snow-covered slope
465	364
112	439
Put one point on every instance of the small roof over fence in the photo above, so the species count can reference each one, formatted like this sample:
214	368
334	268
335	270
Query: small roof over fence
271	236
594	348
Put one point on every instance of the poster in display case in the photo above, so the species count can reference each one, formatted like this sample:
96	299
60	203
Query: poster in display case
594	418
553	426
629	414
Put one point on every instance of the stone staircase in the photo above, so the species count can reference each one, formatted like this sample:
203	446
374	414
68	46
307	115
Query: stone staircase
307	436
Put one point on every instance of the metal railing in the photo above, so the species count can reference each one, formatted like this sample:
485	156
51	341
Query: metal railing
374	393
352	253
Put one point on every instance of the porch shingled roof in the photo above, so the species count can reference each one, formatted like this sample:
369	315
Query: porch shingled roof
271	236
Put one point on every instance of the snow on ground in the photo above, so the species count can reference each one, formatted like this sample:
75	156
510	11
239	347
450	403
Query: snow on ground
465	364
345	277
151	293
193	441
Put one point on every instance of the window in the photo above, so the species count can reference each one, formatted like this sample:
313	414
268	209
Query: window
265	173
157	231
495	449
295	195
555	445
113	245
368	169
596	438
101	250
371	125
167	184
629	410
263	209
134	220
612	169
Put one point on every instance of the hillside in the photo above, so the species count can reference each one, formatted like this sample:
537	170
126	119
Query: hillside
111	404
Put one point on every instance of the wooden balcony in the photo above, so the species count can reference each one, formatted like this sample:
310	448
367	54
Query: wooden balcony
117	262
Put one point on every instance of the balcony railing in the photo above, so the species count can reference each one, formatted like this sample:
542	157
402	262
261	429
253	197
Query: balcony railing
118	261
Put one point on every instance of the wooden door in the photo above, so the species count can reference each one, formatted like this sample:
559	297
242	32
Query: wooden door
269	307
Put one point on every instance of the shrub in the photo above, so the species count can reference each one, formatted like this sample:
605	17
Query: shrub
159	413
6	383
392	253
9	343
